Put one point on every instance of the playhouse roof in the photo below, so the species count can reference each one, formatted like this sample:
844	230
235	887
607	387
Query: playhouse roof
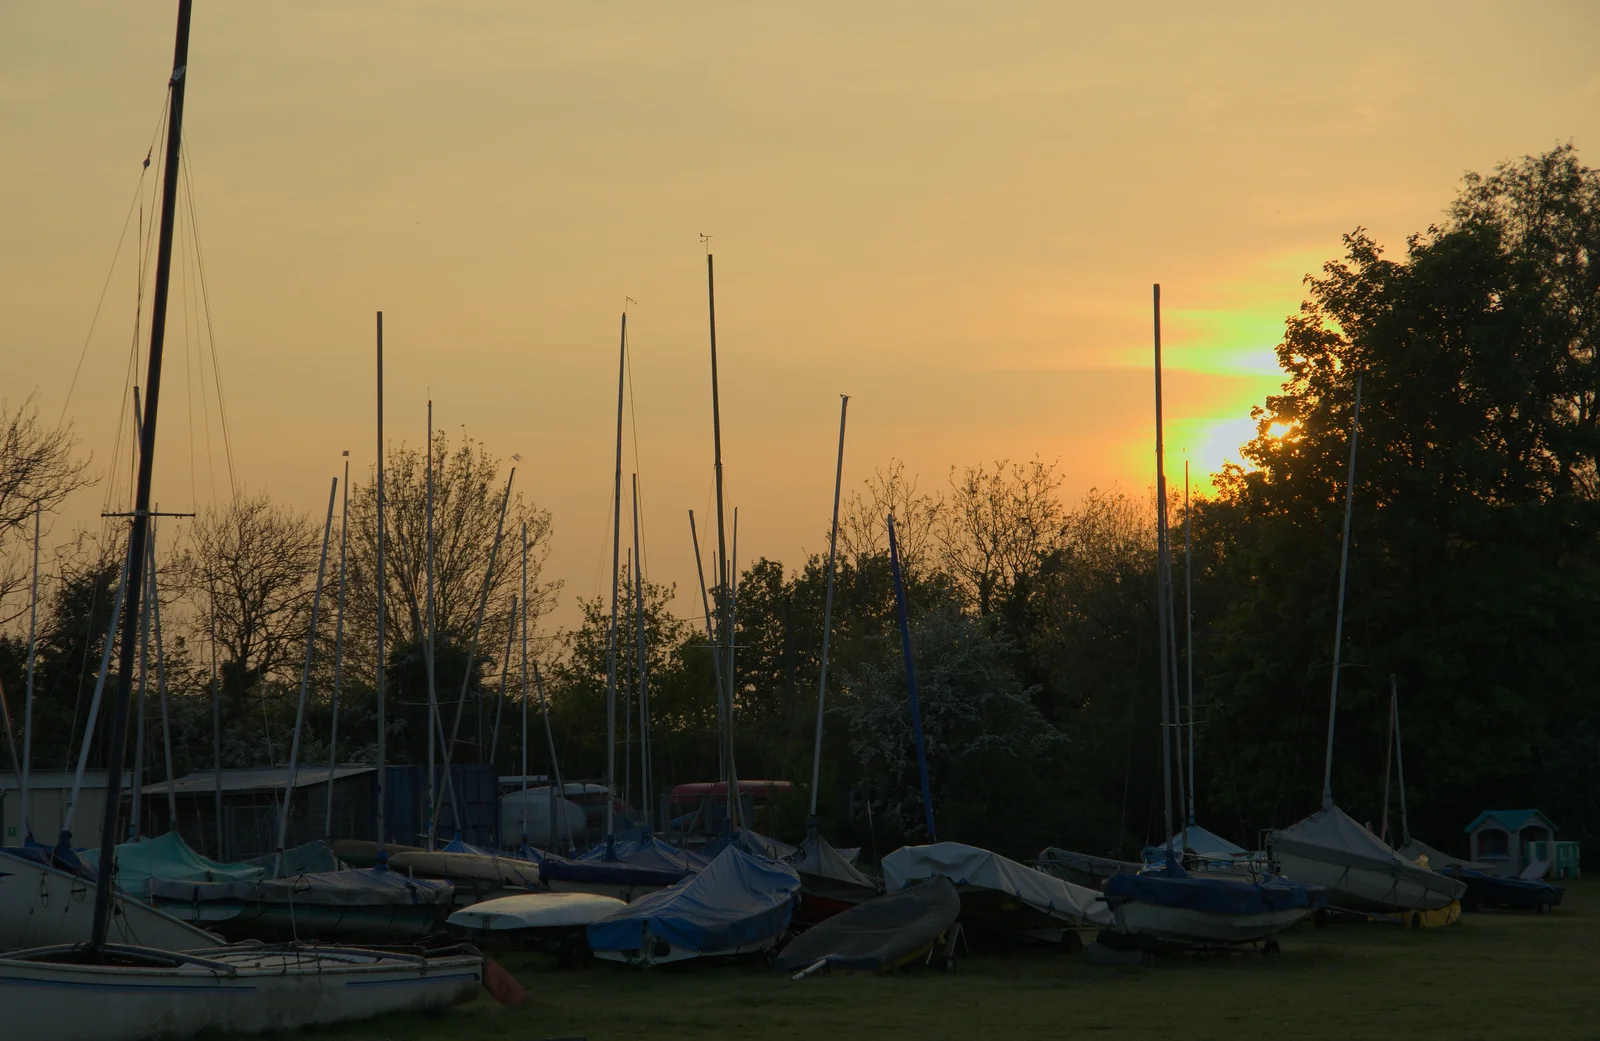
1512	821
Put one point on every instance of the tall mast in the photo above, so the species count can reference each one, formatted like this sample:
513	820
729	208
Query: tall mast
1388	767
505	673
161	688
639	654
1161	581
338	652
827	617
1188	634
911	680
735	804
711	645
725	608
27	705
1399	759
105	883
1338	622
625	678
433	694
136	804
382	859
305	683
616	565
525	690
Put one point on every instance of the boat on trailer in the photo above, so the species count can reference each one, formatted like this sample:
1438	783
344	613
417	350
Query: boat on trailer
999	895
740	904
1358	870
1174	907
877	935
128	993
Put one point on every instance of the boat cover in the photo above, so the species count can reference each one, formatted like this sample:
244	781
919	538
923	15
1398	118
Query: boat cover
168	857
353	887
492	868
735	901
1172	886
878	934
752	842
817	859
298	860
1194	839
1083	868
1523	894
1333	836
637	862
971	866
1438	860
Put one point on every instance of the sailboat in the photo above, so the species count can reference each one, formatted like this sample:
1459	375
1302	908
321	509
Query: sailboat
738	904
130	991
1170	905
1329	848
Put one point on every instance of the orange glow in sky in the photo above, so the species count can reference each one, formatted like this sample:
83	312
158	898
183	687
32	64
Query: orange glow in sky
952	213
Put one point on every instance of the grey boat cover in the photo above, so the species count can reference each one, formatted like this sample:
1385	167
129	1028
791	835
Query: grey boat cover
354	887
981	869
818	862
879	934
1333	836
1416	849
313	856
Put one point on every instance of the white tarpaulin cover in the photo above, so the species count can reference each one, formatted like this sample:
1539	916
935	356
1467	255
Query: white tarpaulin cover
1333	836
1416	849
971	866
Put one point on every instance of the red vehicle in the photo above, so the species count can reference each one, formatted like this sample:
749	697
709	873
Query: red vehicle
698	812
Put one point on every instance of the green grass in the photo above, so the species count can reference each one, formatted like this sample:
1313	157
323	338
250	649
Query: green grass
1492	975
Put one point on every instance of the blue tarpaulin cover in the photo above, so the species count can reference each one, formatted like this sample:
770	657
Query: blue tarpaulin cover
751	842
737	900
1171	886
635	862
1485	890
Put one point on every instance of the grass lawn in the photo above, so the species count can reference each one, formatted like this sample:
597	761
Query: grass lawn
1493	975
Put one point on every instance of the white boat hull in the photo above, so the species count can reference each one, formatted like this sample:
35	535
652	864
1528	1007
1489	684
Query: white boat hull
660	952
1188	926
41	906
535	911
268	992
626	893
1367	889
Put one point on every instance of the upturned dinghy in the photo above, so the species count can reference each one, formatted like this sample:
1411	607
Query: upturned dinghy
880	934
553	922
475	876
739	904
125	993
998	894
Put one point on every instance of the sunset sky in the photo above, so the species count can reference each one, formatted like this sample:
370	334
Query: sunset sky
951	212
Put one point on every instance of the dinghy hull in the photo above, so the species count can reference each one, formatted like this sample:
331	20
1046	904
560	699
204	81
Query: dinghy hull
1203	928
1368	889
267	991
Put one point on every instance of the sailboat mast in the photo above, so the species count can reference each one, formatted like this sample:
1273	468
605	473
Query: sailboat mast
911	680
305	684
1188	630
736	806
616	565
1161	581
1338	623
722	542
1399	759
27	704
161	689
383	590
827	614
1388	767
711	645
338	652
433	693
638	640
551	839
105	883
